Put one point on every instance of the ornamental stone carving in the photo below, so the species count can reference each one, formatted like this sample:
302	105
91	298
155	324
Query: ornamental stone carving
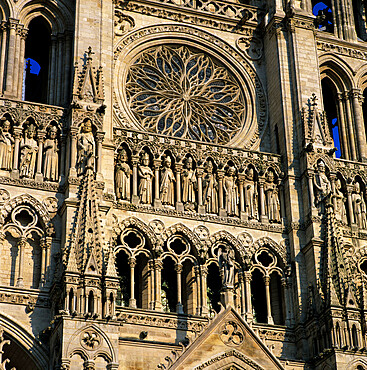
90	340
6	145
28	152
232	334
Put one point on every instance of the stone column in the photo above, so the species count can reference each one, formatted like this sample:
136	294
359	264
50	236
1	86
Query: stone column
73	150
15	82
263	216
349	204
21	245
112	366
179	307
358	118
249	315
222	211
48	243
4	37
62	157
158	301
268	305
43	269
89	365
132	300
99	139
310	175
199	174
41	134
52	74
350	128
243	294
204	297
13	24
157	200
135	162
151	284
179	204
342	127
67	63
198	290
23	36
58	77
241	180
18	130
332	177
286	302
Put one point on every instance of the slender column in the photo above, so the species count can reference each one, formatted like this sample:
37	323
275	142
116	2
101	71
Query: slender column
222	211
134	162
17	135
198	290
43	268
361	135
157	165
4	37
151	285
67	300
73	136
158	301
310	176
350	127
349	203
48	243
59	69
332	177
268	305
132	264
62	156
243	294
286	302
67	62
89	365
23	36
341	124
21	246
241	179
204	296
199	174
16	61
13	24
247	277
179	307
41	136
99	139
263	216
52	78
179	204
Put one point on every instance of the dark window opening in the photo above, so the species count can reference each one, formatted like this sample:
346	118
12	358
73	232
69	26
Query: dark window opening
188	288
37	49
91	302
324	15
214	284
258	297
141	281
354	337
169	286
276	299
71	301
123	271
359	19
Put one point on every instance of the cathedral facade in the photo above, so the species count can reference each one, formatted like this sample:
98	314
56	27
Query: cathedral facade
183	184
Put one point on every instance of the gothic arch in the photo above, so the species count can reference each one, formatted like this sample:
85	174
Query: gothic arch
230	239
278	249
25	199
25	339
6	10
329	162
183	230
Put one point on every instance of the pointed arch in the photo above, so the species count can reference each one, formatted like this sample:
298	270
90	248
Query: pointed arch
278	249
180	228
230	239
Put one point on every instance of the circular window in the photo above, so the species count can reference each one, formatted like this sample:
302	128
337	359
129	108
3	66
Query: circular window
180	91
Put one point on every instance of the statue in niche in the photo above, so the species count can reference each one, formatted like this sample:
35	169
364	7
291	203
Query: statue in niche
210	189
189	184
340	212
226	259
167	189
6	146
122	177
51	156
322	186
359	206
251	195
146	180
231	192
28	152
272	198
86	147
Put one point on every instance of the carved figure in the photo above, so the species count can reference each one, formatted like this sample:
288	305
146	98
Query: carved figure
28	152
146	177
251	195
231	192
226	259
51	156
340	212
86	147
122	177
189	184
359	206
6	146
167	189
272	198
322	186
210	189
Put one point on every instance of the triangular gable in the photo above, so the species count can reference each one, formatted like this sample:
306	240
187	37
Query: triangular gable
228	342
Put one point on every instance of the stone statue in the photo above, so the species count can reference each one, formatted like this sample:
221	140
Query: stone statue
86	147
6	146
272	198
231	192
122	176
189	184
359	206
340	212
167	189
28	152
210	189
51	156
251	195
146	178
322	186
226	259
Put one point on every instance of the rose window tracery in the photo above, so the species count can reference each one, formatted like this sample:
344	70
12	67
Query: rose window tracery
179	91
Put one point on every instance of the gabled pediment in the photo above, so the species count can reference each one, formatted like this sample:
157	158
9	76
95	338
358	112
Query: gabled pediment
227	343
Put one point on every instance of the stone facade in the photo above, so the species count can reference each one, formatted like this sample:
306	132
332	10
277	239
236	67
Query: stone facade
183	184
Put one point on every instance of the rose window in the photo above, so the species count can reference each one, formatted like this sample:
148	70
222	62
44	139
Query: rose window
181	92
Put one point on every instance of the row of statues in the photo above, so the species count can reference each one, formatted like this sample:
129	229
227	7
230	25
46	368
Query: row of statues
324	193
29	151
187	191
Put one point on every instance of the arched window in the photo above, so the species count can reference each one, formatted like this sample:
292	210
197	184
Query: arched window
37	53
258	296
123	271
324	15
169	286
214	284
354	337
359	12
90	302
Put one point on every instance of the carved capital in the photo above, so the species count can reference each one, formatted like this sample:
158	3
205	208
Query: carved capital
178	268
